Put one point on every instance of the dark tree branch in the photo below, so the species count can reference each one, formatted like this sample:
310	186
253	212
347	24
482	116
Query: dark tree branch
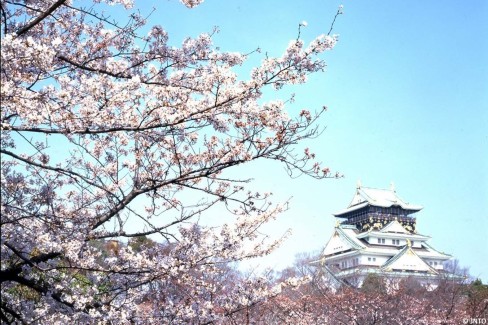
40	18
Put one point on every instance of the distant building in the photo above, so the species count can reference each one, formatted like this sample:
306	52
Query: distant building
377	234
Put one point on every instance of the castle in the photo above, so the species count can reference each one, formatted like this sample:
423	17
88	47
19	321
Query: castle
377	234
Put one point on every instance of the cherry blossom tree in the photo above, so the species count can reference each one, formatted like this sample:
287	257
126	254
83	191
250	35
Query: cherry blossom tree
377	302
111	135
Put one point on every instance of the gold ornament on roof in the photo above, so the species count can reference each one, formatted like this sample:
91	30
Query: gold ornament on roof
409	244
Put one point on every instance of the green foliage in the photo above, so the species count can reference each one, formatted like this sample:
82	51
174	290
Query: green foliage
477	304
24	293
140	243
374	283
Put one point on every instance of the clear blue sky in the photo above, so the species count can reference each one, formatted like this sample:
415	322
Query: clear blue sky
407	90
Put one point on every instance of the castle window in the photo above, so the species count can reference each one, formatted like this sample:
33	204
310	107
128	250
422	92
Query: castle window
381	240
396	241
355	261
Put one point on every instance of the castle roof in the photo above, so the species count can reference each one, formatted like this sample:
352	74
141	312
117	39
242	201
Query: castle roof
347	239
366	196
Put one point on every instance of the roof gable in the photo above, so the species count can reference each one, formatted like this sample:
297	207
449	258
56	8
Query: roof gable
336	245
341	241
394	227
407	260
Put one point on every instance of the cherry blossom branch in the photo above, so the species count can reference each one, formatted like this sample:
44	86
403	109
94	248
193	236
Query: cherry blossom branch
339	12
40	18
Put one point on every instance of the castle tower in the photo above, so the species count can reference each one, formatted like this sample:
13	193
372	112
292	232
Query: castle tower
377	234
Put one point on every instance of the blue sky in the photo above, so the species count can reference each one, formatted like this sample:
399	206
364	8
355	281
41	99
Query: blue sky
407	91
